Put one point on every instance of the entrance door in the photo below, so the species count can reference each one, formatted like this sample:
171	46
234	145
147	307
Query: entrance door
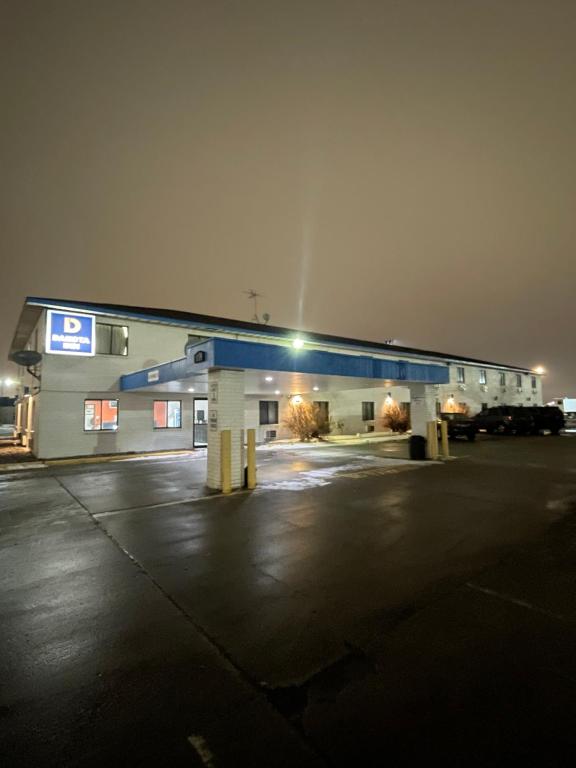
200	422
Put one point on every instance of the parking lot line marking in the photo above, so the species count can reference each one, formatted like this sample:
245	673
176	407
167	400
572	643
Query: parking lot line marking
514	600
199	744
161	504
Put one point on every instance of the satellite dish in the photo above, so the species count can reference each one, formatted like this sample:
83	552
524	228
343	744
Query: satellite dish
26	357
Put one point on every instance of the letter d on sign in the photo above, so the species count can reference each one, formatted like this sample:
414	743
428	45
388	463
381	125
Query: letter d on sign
71	325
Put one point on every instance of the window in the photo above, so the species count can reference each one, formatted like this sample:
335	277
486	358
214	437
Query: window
460	375
502	379
482	375
323	409
368	411
268	412
100	415
519	380
484	406
167	414
534	384
111	339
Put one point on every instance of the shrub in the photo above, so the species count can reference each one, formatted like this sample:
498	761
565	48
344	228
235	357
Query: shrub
306	420
395	417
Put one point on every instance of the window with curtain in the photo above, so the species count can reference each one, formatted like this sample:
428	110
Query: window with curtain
111	339
100	415
167	414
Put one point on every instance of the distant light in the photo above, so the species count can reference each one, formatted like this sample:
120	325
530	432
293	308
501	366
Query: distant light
298	343
296	399
276	391
540	370
269	378
191	389
315	389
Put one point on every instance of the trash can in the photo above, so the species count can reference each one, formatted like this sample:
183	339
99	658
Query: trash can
417	447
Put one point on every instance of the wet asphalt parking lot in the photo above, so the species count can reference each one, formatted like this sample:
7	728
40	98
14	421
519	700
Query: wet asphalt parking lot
355	605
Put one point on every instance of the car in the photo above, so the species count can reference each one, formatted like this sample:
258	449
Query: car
507	419
460	425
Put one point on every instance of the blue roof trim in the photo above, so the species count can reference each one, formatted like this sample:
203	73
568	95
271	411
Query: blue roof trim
245	354
161	374
227	353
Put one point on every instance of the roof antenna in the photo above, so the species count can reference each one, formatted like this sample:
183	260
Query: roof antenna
254	296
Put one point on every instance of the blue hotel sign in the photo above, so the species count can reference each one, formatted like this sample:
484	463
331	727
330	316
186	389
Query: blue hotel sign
68	333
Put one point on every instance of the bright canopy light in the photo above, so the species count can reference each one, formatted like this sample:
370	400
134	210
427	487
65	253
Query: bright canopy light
315	389
276	391
190	389
298	343
268	378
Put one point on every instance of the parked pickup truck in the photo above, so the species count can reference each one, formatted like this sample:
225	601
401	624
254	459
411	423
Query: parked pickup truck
460	425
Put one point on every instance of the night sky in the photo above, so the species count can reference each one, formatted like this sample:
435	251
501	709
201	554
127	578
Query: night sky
376	169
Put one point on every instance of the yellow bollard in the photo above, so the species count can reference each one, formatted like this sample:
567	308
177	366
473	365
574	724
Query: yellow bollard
432	434
226	460
251	459
444	436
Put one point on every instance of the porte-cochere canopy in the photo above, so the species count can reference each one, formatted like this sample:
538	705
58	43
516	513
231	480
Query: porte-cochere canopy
245	355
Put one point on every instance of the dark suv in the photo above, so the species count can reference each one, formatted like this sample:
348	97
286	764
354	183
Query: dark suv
547	417
520	420
460	425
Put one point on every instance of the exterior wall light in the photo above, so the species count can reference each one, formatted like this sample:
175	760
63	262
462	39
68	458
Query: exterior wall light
389	399
276	391
296	399
191	389
315	389
297	343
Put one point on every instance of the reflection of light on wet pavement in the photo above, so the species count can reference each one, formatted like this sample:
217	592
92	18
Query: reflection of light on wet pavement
366	466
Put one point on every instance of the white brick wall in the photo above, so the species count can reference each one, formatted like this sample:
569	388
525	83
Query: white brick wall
225	411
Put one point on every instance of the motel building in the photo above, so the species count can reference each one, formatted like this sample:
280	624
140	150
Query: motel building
117	379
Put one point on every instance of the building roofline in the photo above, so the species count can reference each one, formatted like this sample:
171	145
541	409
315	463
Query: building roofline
209	322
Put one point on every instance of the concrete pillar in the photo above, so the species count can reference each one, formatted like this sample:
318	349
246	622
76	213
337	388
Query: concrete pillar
422	407
225	411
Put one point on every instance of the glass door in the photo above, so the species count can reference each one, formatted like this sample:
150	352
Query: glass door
200	422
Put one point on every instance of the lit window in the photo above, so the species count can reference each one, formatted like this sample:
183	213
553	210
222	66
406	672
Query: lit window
268	412
482	376
368	411
460	375
111	339
167	414
100	415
